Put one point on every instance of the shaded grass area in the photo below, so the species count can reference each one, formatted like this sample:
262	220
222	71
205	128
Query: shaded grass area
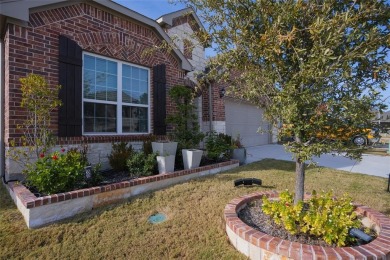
194	229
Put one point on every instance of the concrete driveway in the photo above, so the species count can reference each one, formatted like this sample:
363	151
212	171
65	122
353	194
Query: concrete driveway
371	164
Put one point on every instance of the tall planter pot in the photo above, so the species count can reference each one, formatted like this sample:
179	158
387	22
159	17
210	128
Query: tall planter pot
164	148
191	158
166	163
239	154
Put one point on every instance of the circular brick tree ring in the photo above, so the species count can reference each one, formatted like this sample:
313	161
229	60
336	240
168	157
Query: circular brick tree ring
258	245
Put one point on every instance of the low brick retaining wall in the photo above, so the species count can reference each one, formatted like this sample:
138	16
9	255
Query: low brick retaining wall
39	211
258	245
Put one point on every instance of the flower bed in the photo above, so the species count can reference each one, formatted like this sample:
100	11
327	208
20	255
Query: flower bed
258	245
39	211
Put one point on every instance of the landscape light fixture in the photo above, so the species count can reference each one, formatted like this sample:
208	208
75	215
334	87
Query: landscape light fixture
222	92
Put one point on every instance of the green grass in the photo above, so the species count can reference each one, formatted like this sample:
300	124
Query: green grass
195	226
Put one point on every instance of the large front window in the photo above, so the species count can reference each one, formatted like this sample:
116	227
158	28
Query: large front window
115	96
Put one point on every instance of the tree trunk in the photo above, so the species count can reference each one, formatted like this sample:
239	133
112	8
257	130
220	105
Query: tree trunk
299	180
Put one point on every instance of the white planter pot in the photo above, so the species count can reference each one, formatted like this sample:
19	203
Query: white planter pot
163	149
191	158
166	163
239	154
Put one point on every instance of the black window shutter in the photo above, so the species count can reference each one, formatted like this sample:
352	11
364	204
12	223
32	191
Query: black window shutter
159	100
70	77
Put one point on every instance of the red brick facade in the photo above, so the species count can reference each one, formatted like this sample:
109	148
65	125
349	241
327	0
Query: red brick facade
218	103
34	49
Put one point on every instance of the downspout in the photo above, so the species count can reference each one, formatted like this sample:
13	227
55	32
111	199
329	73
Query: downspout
210	108
2	88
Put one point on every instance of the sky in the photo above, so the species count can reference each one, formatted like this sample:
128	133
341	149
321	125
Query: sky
155	8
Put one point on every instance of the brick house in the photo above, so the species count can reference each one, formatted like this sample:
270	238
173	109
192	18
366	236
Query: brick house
112	90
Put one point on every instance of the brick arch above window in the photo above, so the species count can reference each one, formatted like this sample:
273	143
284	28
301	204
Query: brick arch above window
124	46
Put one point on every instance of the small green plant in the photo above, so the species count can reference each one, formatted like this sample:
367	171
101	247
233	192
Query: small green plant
38	101
321	216
96	177
217	145
236	142
140	164
119	154
57	172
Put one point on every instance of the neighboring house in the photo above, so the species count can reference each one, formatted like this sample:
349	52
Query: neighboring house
112	90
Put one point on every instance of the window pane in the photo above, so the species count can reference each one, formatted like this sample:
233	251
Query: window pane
136	97
101	79
89	84
100	93
126	84
143	99
89	62
101	65
134	119
111	94
111	81
111	67
135	72
89	109
143	89
135	85
126	71
143	75
99	117
88	124
126	96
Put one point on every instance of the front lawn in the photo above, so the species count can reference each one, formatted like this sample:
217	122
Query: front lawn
194	229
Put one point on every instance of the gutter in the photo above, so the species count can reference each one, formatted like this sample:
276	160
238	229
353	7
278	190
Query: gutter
210	108
2	91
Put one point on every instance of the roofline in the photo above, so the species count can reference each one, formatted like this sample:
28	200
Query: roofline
20	9
167	18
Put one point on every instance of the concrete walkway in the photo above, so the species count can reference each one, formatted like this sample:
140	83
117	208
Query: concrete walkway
371	164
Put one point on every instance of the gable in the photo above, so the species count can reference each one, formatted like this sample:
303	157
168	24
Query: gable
27	9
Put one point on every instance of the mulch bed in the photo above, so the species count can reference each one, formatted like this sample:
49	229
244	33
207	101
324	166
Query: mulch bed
253	216
112	176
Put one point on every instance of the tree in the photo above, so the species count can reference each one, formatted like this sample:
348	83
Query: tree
186	127
315	66
39	100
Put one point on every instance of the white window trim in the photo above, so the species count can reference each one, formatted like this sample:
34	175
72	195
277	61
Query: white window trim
119	102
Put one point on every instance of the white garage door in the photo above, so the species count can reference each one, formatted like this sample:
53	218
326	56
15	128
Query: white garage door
245	119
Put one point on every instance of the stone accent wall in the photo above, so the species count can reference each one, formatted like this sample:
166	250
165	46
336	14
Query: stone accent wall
181	31
39	211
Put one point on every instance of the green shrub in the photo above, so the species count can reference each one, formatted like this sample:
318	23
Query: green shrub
186	130
141	164
147	144
119	154
58	172
96	176
322	216
217	145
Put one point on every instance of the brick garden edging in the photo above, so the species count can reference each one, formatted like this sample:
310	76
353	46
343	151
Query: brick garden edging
258	245
39	211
